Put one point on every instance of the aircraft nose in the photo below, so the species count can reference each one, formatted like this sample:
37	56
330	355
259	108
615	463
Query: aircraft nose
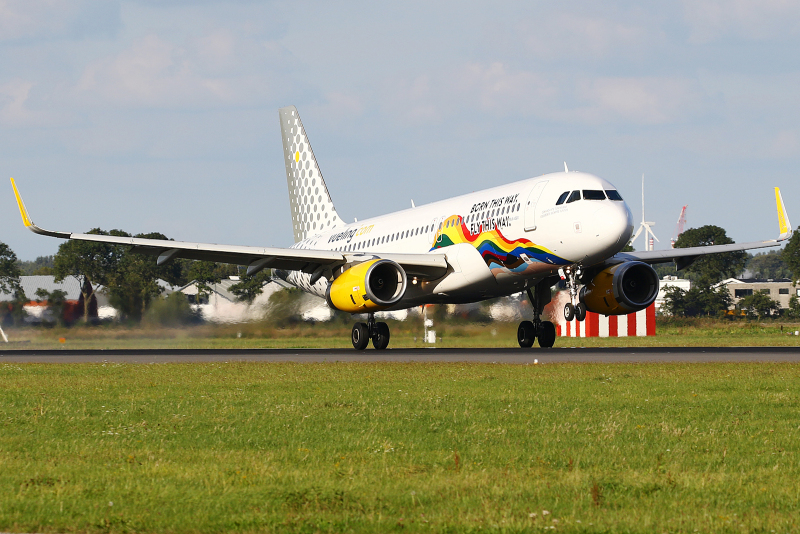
614	226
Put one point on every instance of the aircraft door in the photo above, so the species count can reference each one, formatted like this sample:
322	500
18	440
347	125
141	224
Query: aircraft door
530	205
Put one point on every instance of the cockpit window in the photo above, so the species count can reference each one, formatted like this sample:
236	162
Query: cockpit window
593	194
576	195
613	194
562	198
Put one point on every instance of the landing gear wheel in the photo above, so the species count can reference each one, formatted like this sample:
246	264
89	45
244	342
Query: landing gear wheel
569	312
546	334
380	339
526	333
580	311
360	336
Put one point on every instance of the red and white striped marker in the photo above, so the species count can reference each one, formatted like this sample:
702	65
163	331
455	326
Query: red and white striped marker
641	323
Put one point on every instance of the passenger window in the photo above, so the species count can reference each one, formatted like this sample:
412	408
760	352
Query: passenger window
613	194
593	194
576	195
562	198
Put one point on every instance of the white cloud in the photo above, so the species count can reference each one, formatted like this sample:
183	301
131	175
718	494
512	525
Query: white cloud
570	35
49	19
785	144
501	91
490	88
749	19
214	70
643	100
13	104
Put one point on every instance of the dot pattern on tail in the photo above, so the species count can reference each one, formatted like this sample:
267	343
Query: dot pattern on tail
310	202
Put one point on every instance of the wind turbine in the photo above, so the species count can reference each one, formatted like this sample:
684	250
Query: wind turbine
646	226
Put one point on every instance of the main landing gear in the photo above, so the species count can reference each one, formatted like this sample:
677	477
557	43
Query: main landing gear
363	332
528	331
573	310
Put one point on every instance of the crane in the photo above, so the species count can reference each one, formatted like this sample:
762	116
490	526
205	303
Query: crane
679	227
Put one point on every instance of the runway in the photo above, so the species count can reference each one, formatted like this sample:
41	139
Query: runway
507	356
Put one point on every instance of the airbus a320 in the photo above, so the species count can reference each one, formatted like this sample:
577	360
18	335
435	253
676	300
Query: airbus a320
523	236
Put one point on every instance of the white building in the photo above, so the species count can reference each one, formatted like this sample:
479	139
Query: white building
667	282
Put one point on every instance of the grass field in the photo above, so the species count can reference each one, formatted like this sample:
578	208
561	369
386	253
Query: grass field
399	448
408	334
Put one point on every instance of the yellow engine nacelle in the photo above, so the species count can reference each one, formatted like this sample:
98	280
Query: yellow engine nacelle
621	289
370	286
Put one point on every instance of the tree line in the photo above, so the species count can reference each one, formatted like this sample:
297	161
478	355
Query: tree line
707	298
130	279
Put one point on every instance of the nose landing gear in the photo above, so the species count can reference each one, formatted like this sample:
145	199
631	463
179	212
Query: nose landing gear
573	310
545	331
363	332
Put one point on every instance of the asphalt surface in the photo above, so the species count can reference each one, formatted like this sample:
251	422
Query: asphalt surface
512	356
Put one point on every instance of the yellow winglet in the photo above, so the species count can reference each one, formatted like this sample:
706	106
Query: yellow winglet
26	220
783	219
22	211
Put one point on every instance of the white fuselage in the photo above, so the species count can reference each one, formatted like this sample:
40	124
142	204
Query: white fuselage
498	241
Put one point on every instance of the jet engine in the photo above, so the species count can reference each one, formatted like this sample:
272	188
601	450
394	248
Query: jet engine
367	287
621	289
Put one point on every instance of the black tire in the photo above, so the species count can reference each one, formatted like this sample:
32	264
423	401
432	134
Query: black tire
580	311
526	333
547	335
569	312
380	339
360	336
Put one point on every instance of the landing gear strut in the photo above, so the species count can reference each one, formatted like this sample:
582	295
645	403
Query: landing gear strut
573	309
363	332
528	331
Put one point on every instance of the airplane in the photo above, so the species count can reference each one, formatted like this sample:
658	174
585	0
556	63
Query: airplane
523	236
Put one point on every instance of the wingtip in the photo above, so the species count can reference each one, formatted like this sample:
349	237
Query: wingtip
26	220
784	225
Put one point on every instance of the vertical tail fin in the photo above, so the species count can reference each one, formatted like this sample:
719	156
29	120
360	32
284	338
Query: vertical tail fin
310	202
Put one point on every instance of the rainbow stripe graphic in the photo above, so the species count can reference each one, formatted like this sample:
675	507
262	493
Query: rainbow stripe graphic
519	257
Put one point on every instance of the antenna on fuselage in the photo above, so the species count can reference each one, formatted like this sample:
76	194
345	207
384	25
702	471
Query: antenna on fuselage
565	167
646	226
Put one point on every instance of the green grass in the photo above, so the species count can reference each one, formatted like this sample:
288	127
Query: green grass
408	334
399	448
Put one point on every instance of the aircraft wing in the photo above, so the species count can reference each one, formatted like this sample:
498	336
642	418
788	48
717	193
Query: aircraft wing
428	266
683	257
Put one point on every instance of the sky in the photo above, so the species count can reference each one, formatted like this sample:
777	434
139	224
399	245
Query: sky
161	115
